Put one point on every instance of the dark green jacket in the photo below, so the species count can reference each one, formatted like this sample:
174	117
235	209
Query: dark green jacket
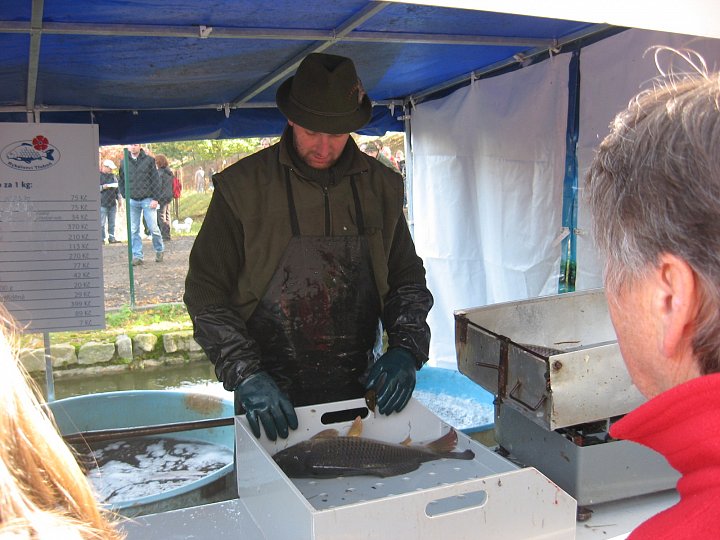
247	228
144	178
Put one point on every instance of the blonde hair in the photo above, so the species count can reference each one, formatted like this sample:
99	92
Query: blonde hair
44	494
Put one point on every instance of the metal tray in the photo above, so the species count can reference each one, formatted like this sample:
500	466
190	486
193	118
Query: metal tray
554	359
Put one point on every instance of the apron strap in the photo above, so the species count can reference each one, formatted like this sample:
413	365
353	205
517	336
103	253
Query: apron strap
358	208
294	225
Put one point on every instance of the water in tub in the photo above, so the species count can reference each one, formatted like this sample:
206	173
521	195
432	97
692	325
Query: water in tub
145	466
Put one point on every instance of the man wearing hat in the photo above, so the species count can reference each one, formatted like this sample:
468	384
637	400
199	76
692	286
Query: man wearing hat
303	252
109	199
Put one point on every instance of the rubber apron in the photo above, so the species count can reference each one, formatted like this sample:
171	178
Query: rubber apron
318	321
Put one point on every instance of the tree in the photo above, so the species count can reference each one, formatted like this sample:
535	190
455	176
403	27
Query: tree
181	152
215	150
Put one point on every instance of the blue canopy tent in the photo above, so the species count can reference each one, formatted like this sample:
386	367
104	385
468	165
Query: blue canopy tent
158	71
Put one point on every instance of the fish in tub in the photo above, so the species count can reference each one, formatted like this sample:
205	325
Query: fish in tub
329	455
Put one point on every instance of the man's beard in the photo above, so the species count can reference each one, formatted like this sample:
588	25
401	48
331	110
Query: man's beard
307	160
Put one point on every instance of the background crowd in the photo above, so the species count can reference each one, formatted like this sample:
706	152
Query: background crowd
183	177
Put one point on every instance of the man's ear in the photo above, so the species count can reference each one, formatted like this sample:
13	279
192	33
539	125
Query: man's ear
677	301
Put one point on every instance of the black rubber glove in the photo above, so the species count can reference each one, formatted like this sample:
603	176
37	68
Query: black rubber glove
392	378
264	401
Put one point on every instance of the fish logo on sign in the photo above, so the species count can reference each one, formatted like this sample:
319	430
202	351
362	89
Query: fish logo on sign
34	155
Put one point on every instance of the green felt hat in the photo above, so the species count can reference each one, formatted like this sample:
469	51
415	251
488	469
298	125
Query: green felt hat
325	95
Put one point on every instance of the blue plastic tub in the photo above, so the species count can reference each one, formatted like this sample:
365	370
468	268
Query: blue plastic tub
149	407
455	398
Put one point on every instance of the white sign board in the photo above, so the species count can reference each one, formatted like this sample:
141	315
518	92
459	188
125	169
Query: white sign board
51	275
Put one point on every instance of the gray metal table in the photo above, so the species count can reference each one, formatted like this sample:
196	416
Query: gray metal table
230	519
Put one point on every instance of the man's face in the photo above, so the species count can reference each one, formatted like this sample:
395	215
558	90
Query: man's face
637	332
134	149
319	150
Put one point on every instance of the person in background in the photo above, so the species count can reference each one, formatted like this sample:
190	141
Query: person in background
200	180
400	160
142	200
265	142
109	200
177	193
374	150
371	149
654	192
304	250
211	173
387	152
44	494
166	196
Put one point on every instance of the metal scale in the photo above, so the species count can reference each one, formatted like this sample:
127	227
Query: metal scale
555	367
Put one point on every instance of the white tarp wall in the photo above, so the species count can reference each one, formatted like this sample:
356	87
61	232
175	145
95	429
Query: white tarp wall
606	87
488	170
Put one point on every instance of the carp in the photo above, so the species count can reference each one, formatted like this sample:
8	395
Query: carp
26	153
329	455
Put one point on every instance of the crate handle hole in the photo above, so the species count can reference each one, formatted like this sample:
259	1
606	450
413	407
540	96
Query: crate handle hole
447	505
346	415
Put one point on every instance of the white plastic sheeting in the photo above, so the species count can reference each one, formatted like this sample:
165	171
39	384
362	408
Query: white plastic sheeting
487	193
488	175
607	86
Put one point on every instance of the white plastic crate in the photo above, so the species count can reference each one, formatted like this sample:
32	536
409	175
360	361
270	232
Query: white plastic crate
487	497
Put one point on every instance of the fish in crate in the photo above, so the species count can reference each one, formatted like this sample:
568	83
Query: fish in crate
329	455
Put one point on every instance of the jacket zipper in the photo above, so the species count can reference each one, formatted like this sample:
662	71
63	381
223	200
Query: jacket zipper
326	196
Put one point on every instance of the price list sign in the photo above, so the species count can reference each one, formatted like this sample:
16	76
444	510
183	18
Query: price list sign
51	277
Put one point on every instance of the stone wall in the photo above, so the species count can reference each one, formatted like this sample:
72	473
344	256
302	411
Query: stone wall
126	353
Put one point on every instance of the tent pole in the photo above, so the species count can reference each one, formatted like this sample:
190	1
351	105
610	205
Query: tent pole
568	257
131	272
409	169
49	381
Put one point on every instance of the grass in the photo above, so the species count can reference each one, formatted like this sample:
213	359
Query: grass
194	205
157	319
149	318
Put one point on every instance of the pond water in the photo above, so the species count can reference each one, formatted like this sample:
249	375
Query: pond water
449	394
194	375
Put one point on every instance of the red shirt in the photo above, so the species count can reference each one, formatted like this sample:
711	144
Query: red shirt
682	424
